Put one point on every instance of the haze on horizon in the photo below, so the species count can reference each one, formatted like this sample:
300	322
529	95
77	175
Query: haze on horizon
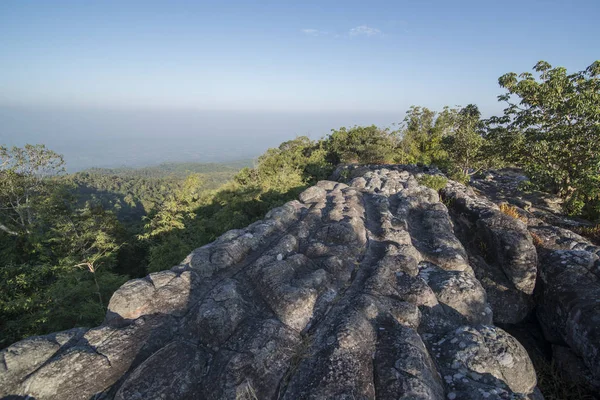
110	83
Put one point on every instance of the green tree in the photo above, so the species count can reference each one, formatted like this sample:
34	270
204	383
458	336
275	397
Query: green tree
91	241
47	233
422	134
361	144
48	291
176	209
187	220
552	128
23	184
465	143
173	231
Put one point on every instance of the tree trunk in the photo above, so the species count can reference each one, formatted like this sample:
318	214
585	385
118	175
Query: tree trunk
98	290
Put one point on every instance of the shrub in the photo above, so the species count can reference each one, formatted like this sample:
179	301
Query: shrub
435	182
460	176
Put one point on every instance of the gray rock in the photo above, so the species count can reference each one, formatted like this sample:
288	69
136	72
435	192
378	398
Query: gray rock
502	252
170	373
356	291
572	367
475	360
569	305
25	357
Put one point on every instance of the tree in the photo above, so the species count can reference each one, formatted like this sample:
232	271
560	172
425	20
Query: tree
93	241
361	144
23	185
553	130
42	289
422	135
178	208
464	144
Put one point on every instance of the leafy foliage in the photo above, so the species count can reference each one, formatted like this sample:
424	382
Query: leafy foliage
70	240
43	289
590	232
512	211
465	143
435	182
22	173
554	131
188	219
422	134
364	145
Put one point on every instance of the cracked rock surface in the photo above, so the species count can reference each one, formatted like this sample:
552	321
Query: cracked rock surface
358	290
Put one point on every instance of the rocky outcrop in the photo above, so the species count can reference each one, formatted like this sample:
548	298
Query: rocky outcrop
569	300
502	252
370	289
567	291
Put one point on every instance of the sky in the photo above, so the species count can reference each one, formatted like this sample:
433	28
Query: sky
339	62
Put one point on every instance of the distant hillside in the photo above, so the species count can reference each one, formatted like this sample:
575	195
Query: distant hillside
135	192
177	170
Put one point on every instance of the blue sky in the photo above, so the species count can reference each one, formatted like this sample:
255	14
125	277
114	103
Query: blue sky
305	56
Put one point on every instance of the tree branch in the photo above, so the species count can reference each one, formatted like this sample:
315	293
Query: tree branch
7	230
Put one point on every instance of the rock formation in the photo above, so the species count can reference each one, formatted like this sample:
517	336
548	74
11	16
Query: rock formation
370	289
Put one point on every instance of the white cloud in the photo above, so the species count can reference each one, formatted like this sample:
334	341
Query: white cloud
364	30
313	32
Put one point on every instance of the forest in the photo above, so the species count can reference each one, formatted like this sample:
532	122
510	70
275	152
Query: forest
68	241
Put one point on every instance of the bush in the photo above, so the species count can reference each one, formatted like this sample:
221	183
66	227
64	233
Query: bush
460	177
422	134
435	182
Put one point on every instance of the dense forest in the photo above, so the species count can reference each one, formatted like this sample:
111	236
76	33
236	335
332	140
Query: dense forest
65	236
67	241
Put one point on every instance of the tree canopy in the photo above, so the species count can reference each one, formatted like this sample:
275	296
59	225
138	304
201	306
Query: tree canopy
551	127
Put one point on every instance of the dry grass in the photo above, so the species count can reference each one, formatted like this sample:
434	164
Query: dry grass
537	241
554	386
590	232
246	392
299	353
512	211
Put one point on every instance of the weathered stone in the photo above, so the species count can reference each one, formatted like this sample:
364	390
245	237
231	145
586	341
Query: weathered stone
92	364
509	242
313	194
572	367
170	373
569	308
24	357
460	294
568	286
502	253
483	359
403	366
354	292
140	297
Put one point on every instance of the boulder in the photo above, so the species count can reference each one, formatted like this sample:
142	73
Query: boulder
365	290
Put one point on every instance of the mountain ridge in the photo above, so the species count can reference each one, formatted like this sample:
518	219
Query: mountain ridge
375	288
